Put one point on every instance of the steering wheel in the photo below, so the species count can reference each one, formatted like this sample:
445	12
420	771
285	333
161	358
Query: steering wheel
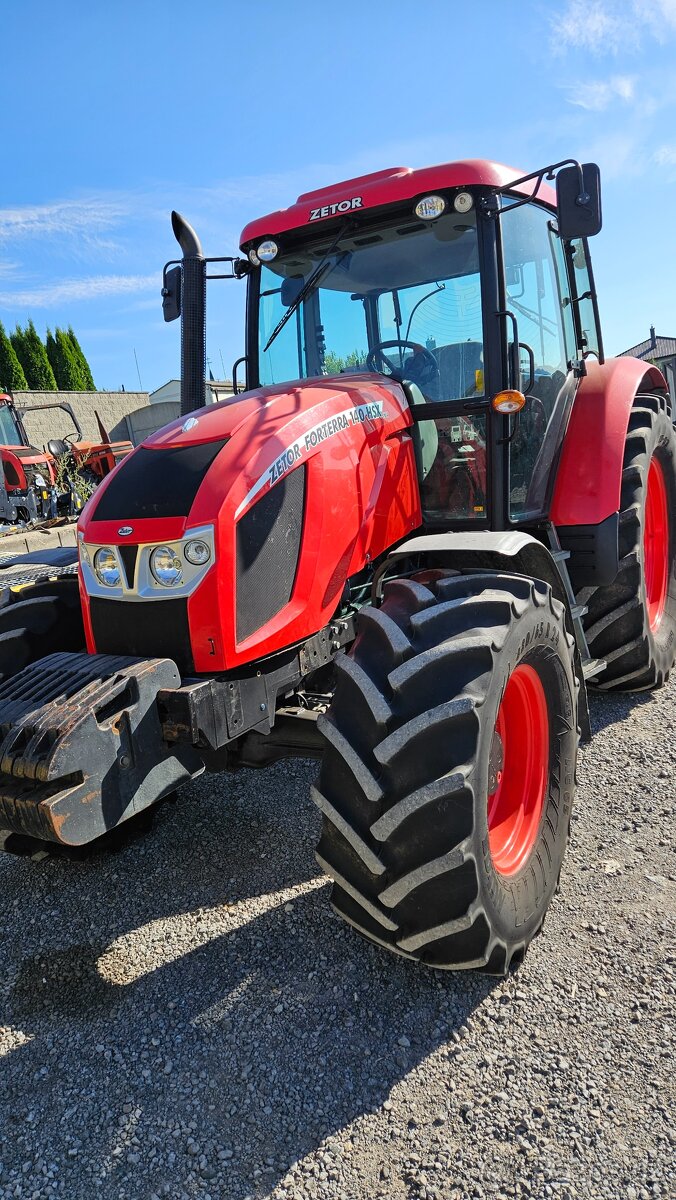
379	362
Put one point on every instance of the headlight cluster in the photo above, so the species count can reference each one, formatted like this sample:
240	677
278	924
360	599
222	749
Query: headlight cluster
166	563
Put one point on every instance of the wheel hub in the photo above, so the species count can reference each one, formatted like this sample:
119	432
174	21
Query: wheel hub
656	545
518	771
495	763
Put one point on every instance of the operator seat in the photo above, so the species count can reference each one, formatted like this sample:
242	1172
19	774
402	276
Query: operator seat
458	366
424	434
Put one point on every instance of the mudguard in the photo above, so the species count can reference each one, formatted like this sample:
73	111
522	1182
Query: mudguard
589	477
511	551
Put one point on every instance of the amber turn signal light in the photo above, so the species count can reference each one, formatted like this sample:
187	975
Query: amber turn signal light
508	402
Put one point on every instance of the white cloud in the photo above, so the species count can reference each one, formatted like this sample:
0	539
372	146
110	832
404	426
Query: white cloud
73	290
598	95
609	26
658	16
73	218
593	26
665	156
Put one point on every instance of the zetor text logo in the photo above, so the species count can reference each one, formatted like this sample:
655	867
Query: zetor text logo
303	445
330	210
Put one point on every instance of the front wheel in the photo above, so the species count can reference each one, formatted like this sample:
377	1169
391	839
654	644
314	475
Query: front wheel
37	619
449	771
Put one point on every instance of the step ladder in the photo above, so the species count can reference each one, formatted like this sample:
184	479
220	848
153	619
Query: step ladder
590	666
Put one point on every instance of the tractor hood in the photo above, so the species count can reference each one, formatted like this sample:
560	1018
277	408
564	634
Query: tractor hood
294	489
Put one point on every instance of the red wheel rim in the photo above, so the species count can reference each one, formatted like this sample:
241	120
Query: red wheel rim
521	745
656	545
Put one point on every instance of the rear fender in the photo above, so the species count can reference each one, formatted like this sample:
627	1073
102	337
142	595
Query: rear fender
589	476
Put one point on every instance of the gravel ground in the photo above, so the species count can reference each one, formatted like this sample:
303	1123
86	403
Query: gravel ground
188	1018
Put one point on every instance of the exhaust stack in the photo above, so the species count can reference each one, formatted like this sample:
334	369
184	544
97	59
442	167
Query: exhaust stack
193	316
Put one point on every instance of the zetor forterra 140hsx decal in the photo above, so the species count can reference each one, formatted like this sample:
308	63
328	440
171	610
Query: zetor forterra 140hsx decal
431	515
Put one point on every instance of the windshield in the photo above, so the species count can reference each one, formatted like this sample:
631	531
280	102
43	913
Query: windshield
403	300
9	432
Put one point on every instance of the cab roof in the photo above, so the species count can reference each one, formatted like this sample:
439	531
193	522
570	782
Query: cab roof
387	187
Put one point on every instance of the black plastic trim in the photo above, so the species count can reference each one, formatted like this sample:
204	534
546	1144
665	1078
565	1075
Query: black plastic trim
594	554
156	483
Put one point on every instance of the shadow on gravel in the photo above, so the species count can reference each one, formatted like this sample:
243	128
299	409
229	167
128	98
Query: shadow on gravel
259	1043
606	708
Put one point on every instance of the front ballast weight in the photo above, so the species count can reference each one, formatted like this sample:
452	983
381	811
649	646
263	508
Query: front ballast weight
82	746
89	741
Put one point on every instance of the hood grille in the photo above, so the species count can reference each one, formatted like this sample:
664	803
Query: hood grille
156	483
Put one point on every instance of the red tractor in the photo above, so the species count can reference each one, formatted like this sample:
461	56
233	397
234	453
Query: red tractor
435	515
36	485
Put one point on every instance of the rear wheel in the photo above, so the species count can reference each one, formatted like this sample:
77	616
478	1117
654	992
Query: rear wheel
448	776
632	623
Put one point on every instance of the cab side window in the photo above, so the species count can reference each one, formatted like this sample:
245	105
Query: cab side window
582	288
538	295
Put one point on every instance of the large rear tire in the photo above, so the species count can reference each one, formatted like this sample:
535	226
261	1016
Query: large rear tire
448	776
632	623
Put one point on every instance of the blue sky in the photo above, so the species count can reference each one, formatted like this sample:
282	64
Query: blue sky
114	114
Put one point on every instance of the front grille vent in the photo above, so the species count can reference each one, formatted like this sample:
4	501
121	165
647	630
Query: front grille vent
147	629
156	483
268	544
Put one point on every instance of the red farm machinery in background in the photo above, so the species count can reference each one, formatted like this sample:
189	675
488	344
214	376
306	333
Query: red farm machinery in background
434	516
36	485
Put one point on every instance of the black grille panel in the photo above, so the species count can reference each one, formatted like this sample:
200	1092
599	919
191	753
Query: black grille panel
145	629
157	483
268	542
129	554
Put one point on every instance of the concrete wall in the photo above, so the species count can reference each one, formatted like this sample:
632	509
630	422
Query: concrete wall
214	390
112	408
140	424
128	416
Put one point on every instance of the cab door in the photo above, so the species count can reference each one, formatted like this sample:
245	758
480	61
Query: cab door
538	295
434	333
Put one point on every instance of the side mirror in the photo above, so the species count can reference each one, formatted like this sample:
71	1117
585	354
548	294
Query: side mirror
171	293
578	201
290	288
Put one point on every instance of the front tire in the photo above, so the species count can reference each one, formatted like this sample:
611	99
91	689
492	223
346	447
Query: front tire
445	818
38	619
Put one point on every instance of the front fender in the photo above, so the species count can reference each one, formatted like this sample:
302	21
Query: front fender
589	476
513	551
482	549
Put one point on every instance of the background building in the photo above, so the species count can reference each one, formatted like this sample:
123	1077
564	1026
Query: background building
658	350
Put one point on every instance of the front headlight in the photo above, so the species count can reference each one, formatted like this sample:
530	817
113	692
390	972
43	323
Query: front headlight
106	567
166	566
197	552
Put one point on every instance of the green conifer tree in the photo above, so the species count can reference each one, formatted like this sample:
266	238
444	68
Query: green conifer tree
52	353
65	365
12	378
33	358
85	369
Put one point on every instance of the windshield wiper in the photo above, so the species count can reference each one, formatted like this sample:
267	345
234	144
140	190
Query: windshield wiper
309	285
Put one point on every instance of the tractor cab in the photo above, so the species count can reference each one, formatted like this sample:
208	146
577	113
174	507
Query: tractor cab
456	282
